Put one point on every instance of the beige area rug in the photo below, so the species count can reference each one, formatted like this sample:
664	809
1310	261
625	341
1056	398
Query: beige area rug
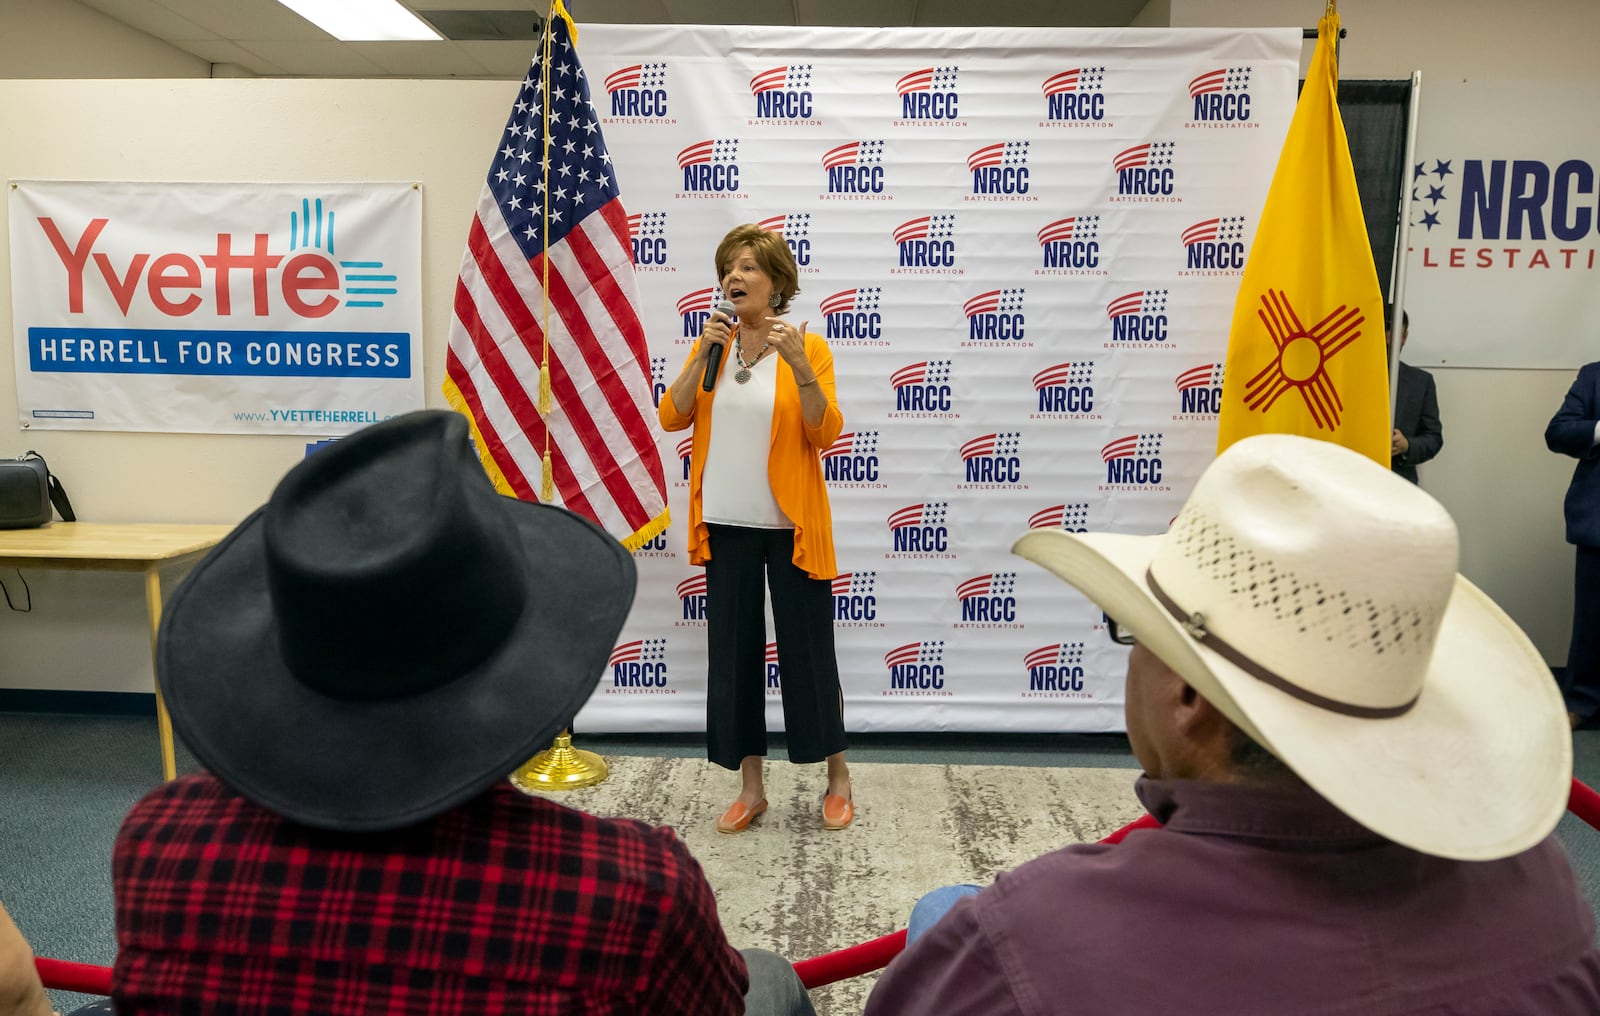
788	885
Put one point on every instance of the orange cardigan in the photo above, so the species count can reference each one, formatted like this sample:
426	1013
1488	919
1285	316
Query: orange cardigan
794	462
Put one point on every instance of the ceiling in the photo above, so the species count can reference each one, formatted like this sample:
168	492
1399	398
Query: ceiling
262	37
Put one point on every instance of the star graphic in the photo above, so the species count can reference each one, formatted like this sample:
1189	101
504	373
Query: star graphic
1430	219
1419	171
1442	168
1436	194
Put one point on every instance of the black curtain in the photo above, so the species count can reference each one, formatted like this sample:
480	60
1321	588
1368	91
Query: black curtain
1375	115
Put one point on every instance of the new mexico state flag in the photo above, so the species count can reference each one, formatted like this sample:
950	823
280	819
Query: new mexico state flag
1306	350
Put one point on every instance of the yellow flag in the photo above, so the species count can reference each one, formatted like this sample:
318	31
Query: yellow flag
1306	350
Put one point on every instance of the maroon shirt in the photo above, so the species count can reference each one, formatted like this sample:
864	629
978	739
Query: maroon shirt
506	904
1257	901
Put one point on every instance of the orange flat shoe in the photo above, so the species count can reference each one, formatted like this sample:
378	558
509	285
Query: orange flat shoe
837	812
739	815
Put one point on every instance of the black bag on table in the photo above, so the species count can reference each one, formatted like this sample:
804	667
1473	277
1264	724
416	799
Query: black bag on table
27	491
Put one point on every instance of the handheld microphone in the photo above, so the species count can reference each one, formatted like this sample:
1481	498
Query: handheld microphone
714	357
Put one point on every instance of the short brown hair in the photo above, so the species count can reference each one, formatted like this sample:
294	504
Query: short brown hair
771	253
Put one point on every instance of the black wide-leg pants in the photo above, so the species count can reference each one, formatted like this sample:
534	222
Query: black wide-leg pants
744	563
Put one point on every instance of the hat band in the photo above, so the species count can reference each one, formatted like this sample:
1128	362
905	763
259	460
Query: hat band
1194	625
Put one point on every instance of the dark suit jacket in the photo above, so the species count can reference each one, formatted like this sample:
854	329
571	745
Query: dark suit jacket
1571	432
1416	415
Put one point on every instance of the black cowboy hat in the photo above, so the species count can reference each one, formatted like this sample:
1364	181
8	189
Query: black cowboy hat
388	635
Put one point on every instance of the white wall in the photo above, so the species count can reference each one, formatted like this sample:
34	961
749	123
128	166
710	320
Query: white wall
87	630
1494	474
64	39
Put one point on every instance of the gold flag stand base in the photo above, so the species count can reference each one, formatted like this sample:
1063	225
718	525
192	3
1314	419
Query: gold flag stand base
560	767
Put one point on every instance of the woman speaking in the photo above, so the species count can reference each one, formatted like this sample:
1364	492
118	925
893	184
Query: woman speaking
758	513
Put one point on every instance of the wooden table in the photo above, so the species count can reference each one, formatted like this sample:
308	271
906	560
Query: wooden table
93	546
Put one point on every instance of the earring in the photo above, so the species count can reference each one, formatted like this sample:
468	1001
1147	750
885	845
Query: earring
774	300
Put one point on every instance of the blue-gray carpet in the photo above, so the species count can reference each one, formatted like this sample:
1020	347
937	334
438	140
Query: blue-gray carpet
66	781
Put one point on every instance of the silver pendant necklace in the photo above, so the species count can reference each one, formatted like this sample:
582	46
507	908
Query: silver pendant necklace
742	375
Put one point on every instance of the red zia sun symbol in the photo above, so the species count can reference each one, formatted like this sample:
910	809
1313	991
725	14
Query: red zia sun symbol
1302	358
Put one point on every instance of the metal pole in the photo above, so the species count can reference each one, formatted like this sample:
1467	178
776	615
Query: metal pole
1397	295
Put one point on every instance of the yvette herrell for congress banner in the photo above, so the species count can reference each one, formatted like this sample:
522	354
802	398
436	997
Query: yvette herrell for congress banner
216	307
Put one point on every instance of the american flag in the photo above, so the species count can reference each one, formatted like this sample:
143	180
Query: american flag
1207	375
1073	516
1141	445
915	652
937	227
853	443
995	300
1079	79
1008	153
928	78
928	513
1223	79
994	584
1001	443
694	585
639	650
1079	227
1061	653
860	299
1227	227
1140	301
789	78
794	225
855	153
547	354
1080	373
923	372
854	583
1151	153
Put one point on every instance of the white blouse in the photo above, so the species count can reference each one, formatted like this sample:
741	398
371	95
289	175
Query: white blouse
734	490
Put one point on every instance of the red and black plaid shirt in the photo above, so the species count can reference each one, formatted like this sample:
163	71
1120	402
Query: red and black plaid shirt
507	904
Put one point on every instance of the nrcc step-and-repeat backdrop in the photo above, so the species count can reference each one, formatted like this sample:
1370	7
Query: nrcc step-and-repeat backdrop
1023	246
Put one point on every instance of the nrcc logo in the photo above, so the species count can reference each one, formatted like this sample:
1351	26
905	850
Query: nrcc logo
1542	205
1072	517
695	308
988	601
918	532
927	246
852	460
855	172
692	594
916	668
928	98
638	94
1145	173
1199	393
795	228
647	233
1075	98
711	169
922	391
683	450
993	462
1139	317
1056	671
1214	247
995	318
1000	172
1221	98
783	97
640	668
1071	246
1133	463
1065	392
851	317
855	605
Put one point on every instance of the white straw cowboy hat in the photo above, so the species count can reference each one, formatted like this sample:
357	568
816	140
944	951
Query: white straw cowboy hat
1312	596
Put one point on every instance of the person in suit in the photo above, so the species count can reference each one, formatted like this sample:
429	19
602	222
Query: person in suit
1417	435
1575	431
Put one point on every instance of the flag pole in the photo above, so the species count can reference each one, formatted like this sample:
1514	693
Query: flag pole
560	766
